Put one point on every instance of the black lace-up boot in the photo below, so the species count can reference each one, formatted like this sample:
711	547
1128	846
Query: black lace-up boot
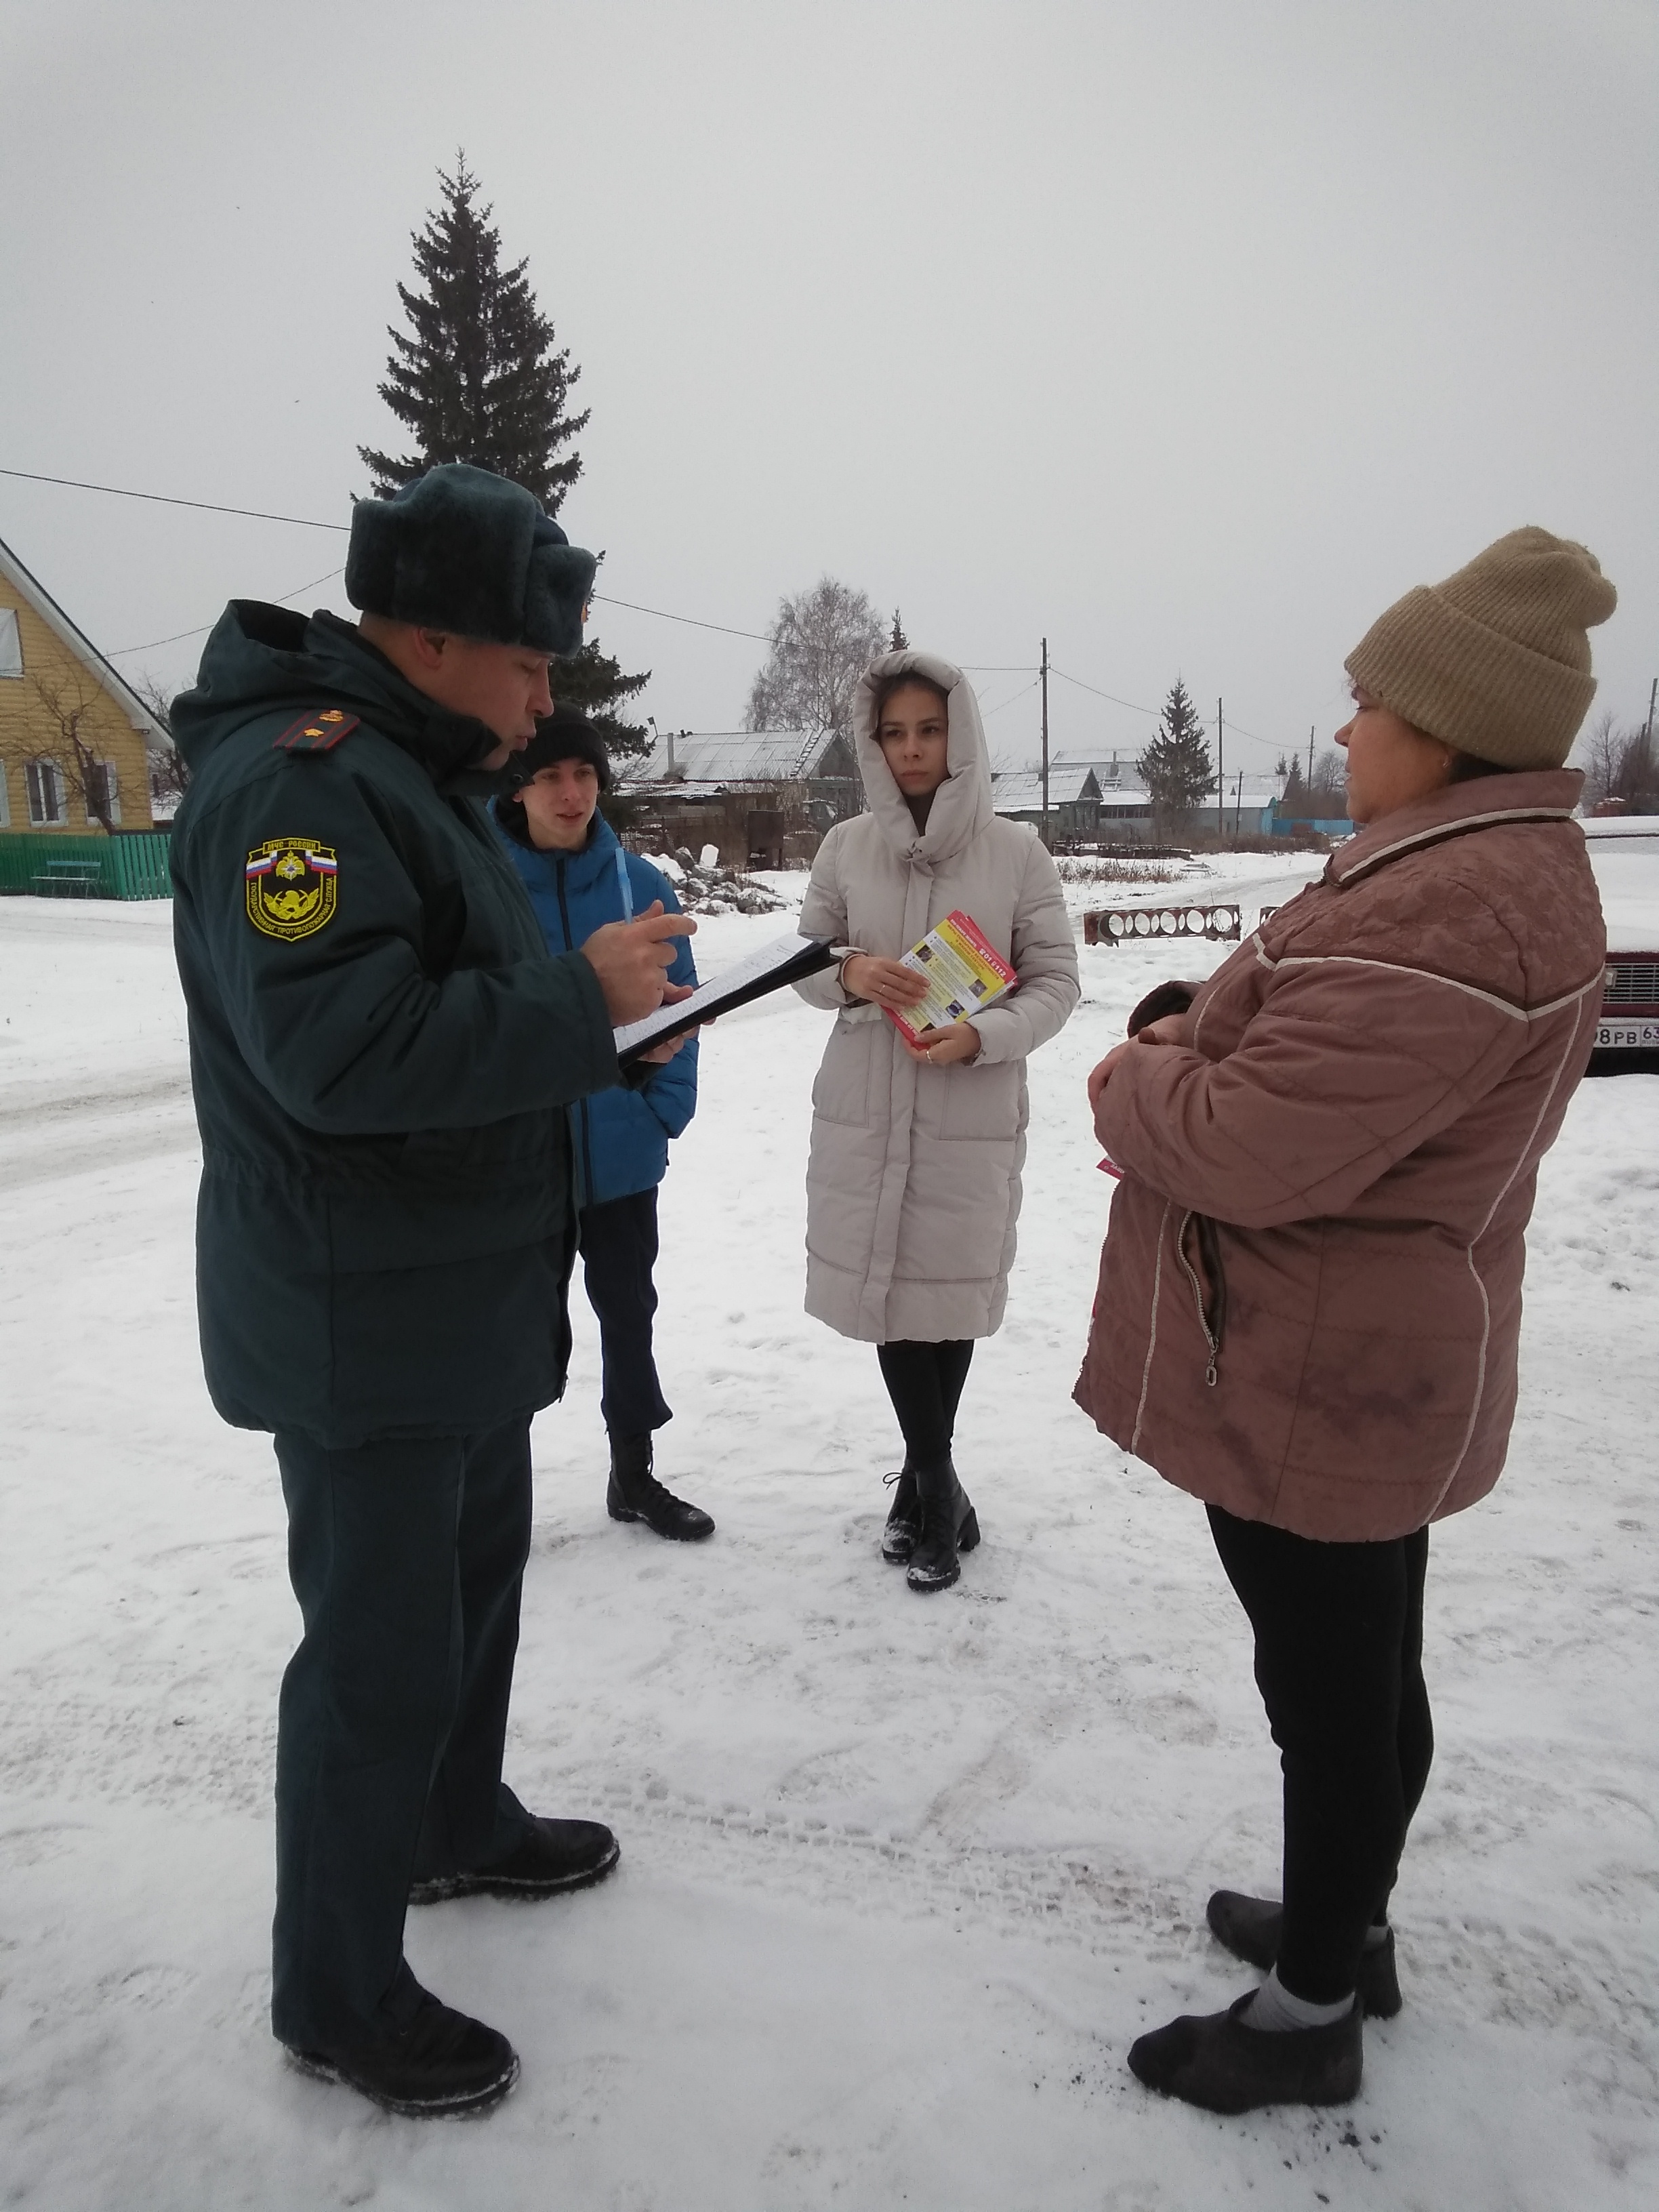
898	1538
949	1525
636	1494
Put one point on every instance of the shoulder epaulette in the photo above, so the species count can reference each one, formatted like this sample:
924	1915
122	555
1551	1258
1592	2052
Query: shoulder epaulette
317	732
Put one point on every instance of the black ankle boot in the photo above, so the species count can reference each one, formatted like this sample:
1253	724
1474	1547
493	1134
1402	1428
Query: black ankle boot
636	1494
949	1525
898	1538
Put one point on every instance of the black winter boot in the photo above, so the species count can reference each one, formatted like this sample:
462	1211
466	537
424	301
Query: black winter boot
1251	1929
549	1857
898	1538
949	1525
419	2057
636	1494
1216	2061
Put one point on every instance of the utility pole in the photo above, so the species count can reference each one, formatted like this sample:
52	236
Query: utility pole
1045	741
1220	783
1238	804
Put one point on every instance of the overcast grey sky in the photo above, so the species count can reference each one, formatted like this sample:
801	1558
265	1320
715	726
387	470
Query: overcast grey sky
1190	334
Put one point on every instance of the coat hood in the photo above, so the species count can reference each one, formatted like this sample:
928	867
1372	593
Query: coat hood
961	805
261	658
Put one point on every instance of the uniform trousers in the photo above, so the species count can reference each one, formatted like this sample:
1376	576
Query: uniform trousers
407	1559
618	1244
1338	1661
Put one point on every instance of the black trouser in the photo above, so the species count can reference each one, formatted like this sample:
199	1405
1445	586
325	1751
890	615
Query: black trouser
924	1382
618	1244
1338	1661
407	1559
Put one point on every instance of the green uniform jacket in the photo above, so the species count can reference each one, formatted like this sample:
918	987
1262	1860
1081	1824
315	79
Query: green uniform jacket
381	1048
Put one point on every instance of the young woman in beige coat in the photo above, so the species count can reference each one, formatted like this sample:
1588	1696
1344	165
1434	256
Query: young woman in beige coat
913	1187
1309	1299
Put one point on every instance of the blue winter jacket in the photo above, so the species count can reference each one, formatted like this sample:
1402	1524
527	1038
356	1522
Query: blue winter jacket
620	1137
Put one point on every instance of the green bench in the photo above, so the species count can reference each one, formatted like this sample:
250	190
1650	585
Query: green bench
68	879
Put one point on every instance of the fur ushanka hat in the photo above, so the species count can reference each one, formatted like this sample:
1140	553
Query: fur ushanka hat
463	550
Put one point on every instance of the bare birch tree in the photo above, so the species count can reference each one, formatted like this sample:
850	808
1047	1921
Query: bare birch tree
821	643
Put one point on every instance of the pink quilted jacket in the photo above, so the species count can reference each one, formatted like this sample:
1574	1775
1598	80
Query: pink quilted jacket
1310	1296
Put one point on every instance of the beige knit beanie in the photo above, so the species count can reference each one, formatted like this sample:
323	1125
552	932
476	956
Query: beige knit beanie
1495	660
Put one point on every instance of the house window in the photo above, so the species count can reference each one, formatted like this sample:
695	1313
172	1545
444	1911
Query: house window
102	792
45	780
11	644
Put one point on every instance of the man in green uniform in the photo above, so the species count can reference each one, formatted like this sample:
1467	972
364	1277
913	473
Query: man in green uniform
382	1052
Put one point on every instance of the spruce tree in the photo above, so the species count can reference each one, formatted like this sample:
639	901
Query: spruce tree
898	642
1176	767
477	377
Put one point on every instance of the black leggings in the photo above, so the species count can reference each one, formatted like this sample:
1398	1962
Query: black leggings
924	1381
1339	1662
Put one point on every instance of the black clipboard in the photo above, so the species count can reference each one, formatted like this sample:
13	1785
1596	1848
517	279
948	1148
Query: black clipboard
786	960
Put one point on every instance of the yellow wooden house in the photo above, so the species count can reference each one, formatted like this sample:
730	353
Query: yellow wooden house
73	733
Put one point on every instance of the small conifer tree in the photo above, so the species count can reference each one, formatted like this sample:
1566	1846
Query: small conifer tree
898	642
1176	767
479	377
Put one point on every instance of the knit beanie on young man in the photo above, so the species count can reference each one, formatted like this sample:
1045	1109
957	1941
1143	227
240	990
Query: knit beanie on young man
1495	660
566	734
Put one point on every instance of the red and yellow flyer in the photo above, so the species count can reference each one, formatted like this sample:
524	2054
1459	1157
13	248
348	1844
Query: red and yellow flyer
963	974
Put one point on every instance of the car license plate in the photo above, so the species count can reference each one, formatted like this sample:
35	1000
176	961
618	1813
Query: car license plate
1627	1037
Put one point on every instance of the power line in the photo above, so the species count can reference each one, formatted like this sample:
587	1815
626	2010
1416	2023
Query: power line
601	600
1099	694
1024	692
166	499
124	652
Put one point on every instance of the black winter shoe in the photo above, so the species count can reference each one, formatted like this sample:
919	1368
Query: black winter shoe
420	2057
898	1538
553	1856
636	1494
1251	1928
1217	2062
949	1525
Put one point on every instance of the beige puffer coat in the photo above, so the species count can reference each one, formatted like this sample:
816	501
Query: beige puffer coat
1309	1298
913	1186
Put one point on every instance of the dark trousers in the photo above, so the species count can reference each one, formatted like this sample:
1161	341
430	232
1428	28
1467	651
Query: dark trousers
1338	1661
407	1559
924	1382
618	1244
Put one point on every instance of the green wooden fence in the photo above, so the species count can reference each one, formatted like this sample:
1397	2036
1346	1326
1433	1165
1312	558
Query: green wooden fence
120	867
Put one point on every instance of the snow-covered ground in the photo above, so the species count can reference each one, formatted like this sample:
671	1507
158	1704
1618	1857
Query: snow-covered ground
901	1878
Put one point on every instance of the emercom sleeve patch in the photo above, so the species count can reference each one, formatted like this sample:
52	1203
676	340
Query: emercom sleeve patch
290	886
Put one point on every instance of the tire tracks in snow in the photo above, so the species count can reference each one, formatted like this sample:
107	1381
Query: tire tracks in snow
1487	1967
47	1133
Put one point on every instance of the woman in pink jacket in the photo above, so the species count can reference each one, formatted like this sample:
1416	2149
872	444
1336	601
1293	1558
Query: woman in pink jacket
1309	1297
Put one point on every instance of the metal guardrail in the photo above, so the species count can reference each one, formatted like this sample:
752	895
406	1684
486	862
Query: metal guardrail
130	866
1127	925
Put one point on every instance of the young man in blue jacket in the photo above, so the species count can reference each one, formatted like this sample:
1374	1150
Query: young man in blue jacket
579	879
